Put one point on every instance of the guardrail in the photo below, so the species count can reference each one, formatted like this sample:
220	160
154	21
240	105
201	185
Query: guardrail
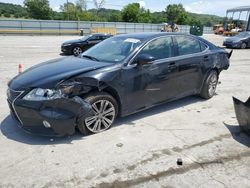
58	27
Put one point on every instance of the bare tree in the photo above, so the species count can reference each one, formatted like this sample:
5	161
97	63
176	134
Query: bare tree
99	3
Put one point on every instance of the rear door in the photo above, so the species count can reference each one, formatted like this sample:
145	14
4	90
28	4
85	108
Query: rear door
190	55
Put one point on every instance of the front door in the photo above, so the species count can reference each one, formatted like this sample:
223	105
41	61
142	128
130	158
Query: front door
151	83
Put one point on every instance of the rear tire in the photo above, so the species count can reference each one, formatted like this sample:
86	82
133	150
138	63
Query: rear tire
209	86
243	45
105	108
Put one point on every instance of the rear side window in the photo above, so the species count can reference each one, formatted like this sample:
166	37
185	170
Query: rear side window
203	46
103	37
187	45
160	48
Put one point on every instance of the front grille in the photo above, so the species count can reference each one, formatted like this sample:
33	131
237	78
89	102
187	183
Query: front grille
12	95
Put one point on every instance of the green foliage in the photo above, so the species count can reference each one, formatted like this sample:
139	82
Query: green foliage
6	14
69	11
133	13
107	15
115	17
12	9
144	16
204	19
38	9
130	12
177	14
159	17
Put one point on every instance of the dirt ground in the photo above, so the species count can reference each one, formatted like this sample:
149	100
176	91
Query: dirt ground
140	150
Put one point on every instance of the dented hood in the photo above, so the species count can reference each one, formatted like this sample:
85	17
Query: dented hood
48	74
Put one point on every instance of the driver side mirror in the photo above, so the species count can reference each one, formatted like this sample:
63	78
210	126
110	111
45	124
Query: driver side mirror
144	59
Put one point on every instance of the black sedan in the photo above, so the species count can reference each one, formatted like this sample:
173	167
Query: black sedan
120	76
241	40
76	47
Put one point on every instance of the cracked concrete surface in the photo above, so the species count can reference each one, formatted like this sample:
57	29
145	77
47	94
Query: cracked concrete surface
142	149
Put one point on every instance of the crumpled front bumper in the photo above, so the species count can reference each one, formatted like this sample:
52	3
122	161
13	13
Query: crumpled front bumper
242	111
61	114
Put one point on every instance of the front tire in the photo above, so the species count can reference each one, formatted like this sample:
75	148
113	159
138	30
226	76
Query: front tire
210	85
105	111
77	51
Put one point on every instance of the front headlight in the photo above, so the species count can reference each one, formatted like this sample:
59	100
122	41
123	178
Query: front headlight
66	44
40	94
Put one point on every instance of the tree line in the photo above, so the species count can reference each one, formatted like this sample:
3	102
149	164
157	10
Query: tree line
133	12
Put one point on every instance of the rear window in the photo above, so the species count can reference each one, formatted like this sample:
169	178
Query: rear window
187	45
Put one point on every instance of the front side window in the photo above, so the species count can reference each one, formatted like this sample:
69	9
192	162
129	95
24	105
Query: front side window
187	45
160	48
95	37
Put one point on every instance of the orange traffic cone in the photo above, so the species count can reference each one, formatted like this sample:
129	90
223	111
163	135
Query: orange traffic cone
20	68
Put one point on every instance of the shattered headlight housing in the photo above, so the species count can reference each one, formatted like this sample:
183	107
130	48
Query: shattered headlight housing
68	89
39	94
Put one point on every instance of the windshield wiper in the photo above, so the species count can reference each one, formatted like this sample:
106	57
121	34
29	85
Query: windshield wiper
90	57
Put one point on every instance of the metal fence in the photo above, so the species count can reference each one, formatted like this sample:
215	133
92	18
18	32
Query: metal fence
73	27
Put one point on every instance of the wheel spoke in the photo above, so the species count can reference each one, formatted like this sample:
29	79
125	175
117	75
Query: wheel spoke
95	127
105	106
107	120
106	125
95	108
102	105
90	120
110	110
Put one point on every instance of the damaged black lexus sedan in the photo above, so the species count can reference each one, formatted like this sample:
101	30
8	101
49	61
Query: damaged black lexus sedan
119	76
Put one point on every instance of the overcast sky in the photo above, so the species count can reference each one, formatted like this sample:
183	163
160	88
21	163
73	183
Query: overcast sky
217	7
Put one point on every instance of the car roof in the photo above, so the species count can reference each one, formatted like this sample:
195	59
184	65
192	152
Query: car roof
149	35
100	34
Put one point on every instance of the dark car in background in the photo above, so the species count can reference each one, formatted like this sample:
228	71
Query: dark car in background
120	76
76	47
241	40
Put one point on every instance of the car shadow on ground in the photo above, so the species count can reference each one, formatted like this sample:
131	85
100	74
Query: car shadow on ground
10	128
12	131
158	109
238	134
63	54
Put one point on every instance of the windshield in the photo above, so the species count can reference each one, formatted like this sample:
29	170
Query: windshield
86	37
244	34
114	49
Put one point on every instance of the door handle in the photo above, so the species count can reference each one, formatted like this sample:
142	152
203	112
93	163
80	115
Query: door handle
206	58
172	65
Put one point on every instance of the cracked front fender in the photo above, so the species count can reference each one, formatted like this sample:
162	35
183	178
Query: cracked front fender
242	111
